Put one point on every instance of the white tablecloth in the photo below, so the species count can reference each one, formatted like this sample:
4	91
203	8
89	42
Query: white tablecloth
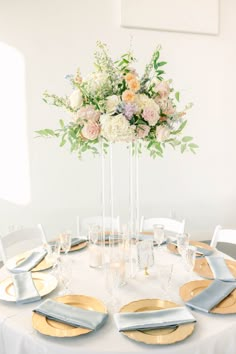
213	334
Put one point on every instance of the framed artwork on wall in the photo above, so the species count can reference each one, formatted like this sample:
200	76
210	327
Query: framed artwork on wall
191	16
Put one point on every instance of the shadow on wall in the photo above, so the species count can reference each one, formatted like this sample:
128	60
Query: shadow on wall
14	160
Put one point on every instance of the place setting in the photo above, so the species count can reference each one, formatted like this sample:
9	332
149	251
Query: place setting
183	240
155	321
69	316
33	260
27	287
216	295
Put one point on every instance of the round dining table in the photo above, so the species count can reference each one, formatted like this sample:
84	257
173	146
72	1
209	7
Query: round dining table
213	334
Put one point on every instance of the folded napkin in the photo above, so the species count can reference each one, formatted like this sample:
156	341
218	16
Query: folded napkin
74	316
25	290
112	237
205	252
77	240
149	237
220	269
30	262
211	296
129	321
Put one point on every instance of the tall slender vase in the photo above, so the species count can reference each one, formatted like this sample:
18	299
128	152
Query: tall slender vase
107	190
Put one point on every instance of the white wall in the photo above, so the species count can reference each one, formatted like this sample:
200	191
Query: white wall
54	38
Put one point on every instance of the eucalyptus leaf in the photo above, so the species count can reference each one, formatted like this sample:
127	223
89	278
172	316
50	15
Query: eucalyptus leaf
186	139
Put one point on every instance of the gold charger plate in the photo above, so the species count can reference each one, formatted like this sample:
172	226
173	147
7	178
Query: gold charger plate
45	284
77	247
58	329
203	269
156	336
174	249
15	261
193	288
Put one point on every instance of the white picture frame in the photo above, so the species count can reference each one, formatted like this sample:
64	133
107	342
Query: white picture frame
190	16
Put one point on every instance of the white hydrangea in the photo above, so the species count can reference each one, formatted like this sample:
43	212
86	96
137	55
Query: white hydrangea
116	128
111	103
97	81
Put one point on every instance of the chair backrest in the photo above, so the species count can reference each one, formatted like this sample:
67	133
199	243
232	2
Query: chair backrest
223	235
20	241
146	224
98	220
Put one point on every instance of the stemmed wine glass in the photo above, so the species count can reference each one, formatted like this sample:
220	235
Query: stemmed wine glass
182	242
189	257
65	240
65	244
145	255
158	234
53	255
165	272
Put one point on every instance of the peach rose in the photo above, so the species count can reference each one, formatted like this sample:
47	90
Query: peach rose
128	96
90	130
129	77
134	85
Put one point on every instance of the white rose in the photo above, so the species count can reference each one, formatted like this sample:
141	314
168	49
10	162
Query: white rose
76	99
112	103
162	133
116	128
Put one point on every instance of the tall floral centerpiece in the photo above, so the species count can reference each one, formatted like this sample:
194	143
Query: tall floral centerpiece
116	104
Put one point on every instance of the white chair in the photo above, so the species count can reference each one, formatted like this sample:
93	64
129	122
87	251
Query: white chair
223	235
20	241
172	225
98	220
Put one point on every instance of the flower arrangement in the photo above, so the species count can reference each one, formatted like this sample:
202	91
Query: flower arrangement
114	104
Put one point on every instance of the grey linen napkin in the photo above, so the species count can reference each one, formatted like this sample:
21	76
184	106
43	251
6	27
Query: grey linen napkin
211	296
30	262
129	321
77	240
220	269
25	290
205	252
74	316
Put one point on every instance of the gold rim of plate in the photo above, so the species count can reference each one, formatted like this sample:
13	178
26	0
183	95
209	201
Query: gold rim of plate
43	265
156	336
57	329
44	283
77	247
203	269
174	249
193	288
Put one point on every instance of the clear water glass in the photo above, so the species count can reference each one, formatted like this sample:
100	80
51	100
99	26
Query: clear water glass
65	240
189	257
65	271
53	253
115	278
145	255
158	234
182	242
165	272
